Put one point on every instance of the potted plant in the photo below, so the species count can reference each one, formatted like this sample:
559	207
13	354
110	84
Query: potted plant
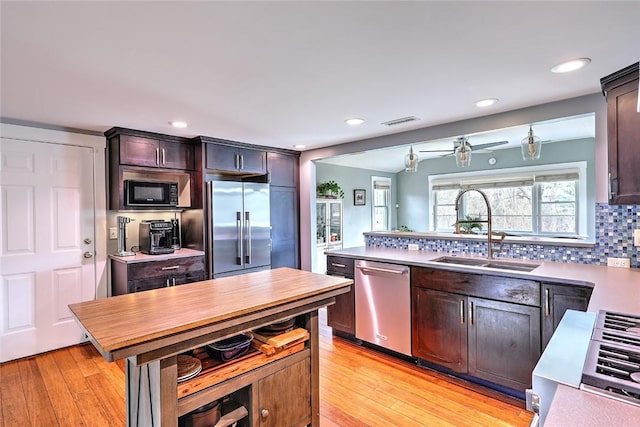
470	223
329	189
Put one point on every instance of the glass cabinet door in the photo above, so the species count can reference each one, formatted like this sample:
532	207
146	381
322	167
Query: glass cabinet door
335	222
321	223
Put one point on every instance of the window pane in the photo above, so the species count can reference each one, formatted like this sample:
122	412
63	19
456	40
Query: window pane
511	208
562	191
446	197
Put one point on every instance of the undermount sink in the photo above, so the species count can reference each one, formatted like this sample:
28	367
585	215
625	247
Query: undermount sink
489	263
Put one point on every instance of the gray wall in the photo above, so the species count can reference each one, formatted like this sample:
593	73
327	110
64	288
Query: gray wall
357	219
413	189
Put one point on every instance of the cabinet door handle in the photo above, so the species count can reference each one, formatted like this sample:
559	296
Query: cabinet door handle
163	158
167	283
264	413
462	311
241	161
173	267
470	312
157	156
236	161
173	281
547	303
333	264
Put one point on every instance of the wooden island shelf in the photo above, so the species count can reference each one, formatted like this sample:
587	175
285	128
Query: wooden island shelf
150	329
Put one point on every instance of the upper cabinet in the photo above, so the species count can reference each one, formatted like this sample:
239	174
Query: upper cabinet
623	135
146	156
155	153
235	160
283	169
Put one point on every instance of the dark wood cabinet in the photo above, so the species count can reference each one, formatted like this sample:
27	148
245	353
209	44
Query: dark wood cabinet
155	153
285	250
482	325
440	328
283	169
235	160
623	135
129	277
284	208
341	316
285	397
557	299
504	342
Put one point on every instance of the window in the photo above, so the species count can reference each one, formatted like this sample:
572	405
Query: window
543	201
381	190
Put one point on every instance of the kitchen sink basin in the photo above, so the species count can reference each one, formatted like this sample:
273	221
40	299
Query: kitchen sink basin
489	263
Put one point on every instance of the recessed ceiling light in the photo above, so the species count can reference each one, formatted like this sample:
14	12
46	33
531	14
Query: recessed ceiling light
178	124
572	65
354	121
299	146
486	102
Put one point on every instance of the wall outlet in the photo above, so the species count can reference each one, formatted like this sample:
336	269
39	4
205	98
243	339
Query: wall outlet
636	238
618	262
113	233
413	247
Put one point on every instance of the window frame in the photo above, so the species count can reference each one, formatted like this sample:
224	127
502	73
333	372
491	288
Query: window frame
386	206
467	179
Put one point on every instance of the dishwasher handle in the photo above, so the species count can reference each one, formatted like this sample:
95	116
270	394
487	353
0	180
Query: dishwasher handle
400	272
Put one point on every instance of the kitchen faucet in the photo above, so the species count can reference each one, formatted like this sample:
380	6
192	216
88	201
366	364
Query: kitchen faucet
488	221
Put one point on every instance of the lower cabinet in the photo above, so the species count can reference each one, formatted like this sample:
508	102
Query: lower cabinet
129	277
497	341
341	316
557	299
504	342
285	397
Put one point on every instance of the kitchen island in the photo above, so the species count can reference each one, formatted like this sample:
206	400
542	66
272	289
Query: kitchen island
150	329
614	289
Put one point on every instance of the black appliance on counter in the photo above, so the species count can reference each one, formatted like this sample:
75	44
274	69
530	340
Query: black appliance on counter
612	368
176	239
156	237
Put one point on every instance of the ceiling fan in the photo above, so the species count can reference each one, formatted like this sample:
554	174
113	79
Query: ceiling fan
464	141
462	150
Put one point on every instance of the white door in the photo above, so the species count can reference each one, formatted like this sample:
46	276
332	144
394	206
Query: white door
47	244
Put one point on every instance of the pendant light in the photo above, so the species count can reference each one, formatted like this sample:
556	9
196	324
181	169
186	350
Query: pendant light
411	161
463	153
531	146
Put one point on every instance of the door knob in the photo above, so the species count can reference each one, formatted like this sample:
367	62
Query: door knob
264	413
87	241
88	254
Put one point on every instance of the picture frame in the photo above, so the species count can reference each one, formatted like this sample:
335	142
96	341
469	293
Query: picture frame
359	197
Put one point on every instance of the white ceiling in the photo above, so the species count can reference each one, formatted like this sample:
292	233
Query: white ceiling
285	73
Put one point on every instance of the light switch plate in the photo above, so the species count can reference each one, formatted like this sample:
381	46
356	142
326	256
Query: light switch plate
636	237
413	247
618	262
113	233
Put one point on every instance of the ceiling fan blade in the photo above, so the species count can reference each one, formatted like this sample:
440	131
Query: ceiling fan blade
488	145
436	151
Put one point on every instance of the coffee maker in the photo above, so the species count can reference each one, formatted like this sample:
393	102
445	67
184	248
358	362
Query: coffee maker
156	237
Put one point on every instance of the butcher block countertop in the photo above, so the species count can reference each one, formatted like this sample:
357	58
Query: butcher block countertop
133	324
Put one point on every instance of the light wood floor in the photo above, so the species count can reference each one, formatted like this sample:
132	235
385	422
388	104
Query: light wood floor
74	386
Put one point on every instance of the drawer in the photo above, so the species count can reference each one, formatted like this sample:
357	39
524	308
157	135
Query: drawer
173	267
500	288
340	266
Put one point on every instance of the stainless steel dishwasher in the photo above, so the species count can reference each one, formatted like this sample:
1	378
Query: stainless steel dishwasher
383	305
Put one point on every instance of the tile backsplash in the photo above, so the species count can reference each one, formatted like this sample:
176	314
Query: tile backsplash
614	238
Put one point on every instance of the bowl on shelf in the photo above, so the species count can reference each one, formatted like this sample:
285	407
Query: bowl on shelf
205	416
230	348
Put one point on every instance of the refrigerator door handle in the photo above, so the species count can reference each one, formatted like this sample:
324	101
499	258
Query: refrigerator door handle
240	239
248	234
210	228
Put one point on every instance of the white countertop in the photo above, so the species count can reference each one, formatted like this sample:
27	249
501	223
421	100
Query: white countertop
140	257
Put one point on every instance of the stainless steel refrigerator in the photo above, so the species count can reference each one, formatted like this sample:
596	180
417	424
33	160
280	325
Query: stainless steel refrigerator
239	227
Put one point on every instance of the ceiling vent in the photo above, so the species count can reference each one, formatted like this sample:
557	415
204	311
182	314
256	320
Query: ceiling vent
400	121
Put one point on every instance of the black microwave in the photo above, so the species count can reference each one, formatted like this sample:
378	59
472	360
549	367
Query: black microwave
150	194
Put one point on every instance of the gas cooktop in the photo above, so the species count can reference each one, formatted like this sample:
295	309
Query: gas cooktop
612	367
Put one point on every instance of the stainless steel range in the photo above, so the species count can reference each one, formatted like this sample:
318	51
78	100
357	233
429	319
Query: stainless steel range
612	366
